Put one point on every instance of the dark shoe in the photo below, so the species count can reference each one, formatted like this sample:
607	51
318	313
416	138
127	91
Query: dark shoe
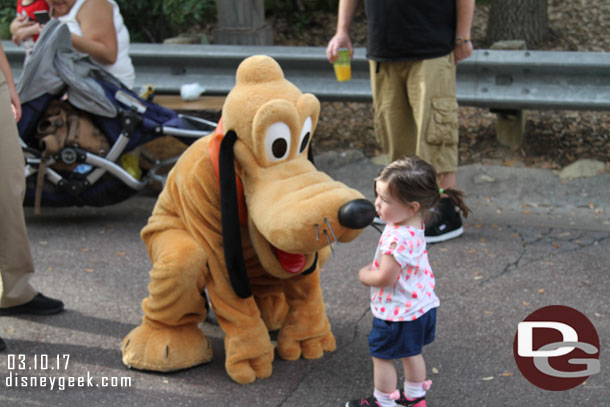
370	401
2	345
404	401
445	223
40	305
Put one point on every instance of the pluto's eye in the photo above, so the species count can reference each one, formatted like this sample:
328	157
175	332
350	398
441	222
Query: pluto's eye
305	135
277	142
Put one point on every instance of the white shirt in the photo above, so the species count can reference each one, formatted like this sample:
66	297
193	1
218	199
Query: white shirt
412	295
122	69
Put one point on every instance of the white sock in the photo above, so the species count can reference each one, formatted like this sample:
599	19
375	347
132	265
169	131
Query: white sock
384	399
416	390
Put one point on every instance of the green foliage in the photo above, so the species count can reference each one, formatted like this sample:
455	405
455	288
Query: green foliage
287	7
8	10
153	21
299	11
147	20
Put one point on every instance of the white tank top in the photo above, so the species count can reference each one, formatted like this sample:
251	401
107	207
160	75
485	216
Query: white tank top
122	69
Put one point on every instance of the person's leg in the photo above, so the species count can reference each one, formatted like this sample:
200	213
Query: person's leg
422	333
413	393
17	296
382	339
414	368
385	379
16	265
394	121
431	85
431	88
384	375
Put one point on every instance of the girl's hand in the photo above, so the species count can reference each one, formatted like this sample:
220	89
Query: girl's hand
363	271
384	276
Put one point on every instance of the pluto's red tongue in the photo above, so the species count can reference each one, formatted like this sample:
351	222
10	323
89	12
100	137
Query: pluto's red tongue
292	263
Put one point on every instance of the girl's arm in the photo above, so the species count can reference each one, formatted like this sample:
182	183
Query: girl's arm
99	38
385	276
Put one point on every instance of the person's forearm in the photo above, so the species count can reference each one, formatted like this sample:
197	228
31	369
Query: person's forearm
14	25
18	22
27	32
10	83
6	68
98	51
347	9
465	13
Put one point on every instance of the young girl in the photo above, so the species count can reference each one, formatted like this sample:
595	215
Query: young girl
403	301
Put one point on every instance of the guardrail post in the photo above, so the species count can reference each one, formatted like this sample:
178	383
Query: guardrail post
242	23
510	124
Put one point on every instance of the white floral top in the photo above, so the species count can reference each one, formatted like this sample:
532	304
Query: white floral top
412	295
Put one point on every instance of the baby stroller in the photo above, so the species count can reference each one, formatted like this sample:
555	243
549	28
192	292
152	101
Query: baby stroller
77	173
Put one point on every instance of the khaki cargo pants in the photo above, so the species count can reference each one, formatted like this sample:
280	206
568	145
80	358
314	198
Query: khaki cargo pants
416	110
16	264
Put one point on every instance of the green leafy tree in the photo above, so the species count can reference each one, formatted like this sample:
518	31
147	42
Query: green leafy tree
8	10
299	11
147	21
153	21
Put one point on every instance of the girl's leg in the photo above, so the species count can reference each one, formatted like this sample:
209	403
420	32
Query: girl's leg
384	375
385	378
414	368
415	385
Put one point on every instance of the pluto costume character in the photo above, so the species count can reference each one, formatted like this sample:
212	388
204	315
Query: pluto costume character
246	215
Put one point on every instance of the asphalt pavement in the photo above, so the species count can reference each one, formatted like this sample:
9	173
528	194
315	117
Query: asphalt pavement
533	240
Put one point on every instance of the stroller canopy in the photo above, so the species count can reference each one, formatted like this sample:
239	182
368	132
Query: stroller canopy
55	67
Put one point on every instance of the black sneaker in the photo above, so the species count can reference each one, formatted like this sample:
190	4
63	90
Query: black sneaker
2	345
445	222
367	402
404	401
40	305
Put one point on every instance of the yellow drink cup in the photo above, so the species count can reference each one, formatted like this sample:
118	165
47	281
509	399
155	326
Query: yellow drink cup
342	65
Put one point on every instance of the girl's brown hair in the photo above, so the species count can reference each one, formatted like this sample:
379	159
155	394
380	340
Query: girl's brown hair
411	179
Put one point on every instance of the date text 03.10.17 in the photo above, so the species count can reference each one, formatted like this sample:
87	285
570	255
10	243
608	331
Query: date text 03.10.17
37	362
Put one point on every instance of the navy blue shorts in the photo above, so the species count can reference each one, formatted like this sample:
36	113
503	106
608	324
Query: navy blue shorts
401	339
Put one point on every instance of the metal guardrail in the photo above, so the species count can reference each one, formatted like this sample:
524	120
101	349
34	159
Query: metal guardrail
489	78
535	80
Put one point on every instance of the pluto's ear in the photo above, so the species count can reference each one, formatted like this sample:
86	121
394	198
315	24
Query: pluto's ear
229	212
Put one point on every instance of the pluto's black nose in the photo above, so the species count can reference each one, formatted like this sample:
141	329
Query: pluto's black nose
357	214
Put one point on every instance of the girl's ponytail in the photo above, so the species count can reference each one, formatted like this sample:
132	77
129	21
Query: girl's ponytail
457	198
